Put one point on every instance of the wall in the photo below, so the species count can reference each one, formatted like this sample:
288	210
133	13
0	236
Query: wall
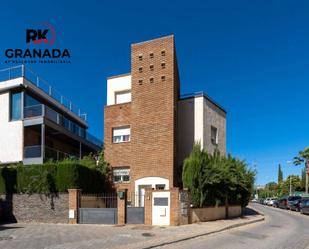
213	213
34	208
117	84
117	154
11	133
214	116
196	115
154	109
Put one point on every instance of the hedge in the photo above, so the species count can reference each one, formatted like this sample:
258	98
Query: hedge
51	178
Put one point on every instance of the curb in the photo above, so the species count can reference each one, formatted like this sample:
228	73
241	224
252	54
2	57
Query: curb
207	233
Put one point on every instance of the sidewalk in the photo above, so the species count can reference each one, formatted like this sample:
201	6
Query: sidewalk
65	236
170	235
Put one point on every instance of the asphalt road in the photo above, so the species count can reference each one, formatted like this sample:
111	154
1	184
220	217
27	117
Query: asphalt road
281	229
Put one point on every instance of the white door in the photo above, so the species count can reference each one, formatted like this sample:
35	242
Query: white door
161	208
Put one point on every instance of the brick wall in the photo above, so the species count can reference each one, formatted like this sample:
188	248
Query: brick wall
154	108
36	208
117	154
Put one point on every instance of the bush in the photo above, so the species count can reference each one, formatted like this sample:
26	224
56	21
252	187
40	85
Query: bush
217	180
52	177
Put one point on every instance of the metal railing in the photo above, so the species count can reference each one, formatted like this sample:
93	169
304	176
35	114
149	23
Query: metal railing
45	111
22	71
105	200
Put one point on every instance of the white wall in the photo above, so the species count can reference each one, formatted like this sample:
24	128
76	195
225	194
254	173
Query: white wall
11	134
117	84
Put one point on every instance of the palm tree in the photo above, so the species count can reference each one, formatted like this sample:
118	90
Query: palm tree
303	156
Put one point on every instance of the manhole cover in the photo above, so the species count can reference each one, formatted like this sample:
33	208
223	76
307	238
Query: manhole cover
147	234
5	238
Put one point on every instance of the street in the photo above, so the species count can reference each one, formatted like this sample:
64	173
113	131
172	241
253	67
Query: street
281	229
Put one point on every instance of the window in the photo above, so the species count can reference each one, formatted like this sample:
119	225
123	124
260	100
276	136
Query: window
151	67
163	53
121	175
15	106
163	78
160	186
163	65
140	57
214	135
151	80
30	101
140	69
121	134
140	82
151	55
122	97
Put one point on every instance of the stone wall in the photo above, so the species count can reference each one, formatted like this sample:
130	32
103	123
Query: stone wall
35	208
213	213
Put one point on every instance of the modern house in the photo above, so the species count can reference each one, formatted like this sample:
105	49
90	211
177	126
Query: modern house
37	123
149	127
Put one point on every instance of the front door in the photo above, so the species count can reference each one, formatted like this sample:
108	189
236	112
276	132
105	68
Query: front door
161	208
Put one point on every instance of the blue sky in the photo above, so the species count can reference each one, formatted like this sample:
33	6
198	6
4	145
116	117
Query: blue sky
250	56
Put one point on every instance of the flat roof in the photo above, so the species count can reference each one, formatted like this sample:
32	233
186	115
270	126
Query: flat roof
201	94
118	76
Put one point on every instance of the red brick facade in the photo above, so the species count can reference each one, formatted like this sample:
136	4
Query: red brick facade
151	114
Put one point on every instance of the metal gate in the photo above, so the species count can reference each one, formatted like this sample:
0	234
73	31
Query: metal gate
98	209
135	209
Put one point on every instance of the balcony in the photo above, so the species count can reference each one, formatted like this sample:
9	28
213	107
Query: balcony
45	111
39	82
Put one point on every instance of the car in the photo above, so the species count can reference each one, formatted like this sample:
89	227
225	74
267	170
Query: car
276	203
304	206
282	202
293	202
271	202
266	201
261	200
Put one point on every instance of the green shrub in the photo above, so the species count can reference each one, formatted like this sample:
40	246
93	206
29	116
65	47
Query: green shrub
52	177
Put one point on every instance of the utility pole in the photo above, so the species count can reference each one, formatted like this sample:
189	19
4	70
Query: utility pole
307	174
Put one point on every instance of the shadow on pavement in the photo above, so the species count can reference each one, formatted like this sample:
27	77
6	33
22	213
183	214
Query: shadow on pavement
2	227
249	211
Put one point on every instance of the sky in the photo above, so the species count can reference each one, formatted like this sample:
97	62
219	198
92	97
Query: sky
252	57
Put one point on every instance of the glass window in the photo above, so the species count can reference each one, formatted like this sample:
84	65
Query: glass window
121	134
16	106
214	135
121	174
30	101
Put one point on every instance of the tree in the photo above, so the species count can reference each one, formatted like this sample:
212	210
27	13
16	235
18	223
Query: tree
280	174
303	157
213	179
284	186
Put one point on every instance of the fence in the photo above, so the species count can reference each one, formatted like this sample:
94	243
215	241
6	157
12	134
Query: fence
107	200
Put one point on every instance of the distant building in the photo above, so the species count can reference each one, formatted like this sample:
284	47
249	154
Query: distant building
37	123
149	128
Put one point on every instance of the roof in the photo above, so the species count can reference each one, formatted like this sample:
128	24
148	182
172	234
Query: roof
201	94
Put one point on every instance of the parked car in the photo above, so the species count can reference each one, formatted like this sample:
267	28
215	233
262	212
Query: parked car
261	200
266	201
271	201
294	203
304	205
276	203
283	202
